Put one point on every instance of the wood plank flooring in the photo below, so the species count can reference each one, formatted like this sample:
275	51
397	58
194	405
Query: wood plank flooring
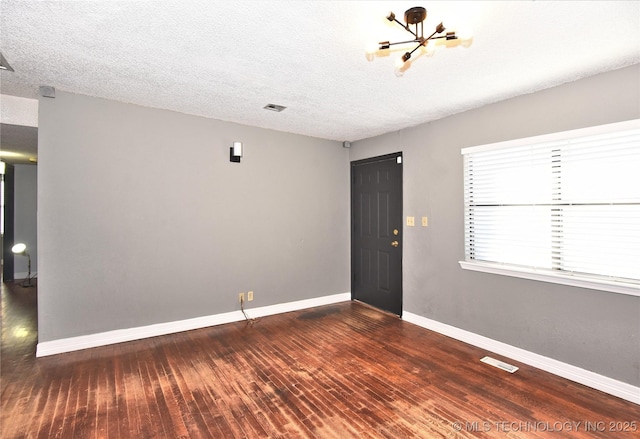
338	371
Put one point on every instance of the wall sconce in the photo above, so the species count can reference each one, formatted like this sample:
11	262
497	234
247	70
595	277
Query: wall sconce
235	152
21	249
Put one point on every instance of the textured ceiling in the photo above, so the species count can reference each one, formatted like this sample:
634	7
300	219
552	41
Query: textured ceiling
228	59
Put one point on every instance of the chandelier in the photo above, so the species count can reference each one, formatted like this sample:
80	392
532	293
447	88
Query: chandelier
414	19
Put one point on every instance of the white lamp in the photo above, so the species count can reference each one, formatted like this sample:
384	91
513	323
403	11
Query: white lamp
21	249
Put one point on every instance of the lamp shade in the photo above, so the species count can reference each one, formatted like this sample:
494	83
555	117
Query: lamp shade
237	149
19	248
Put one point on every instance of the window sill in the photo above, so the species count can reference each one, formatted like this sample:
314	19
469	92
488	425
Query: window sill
563	279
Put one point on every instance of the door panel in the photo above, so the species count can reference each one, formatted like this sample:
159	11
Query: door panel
376	251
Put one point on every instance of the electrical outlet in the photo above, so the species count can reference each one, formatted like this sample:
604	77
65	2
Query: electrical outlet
241	297
249	296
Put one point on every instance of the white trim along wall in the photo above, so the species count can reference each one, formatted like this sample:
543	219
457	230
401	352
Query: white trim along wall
123	335
573	373
590	379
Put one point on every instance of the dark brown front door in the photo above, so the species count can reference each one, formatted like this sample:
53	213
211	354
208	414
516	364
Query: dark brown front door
376	232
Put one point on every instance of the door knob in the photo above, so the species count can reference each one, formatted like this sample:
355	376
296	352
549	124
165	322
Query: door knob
395	243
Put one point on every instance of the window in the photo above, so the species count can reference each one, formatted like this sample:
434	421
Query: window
563	207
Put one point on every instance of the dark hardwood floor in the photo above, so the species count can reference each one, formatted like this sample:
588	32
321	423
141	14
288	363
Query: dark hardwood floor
338	371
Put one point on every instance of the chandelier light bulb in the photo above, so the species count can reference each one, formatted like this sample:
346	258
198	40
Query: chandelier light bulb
372	47
430	47
370	50
464	33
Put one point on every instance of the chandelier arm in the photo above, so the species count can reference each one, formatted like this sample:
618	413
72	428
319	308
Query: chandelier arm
420	40
432	37
416	48
405	42
407	28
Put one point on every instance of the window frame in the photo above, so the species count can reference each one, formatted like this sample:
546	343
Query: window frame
557	277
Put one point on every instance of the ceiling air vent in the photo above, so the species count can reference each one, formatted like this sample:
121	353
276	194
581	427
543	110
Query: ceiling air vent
274	107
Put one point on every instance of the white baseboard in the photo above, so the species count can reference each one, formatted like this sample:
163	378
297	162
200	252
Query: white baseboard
591	379
22	275
122	335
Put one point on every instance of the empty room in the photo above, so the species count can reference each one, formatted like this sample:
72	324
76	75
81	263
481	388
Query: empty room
320	219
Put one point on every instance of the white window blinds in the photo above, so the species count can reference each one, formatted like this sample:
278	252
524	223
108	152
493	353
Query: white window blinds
564	203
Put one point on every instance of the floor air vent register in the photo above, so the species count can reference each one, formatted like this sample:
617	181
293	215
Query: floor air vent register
499	364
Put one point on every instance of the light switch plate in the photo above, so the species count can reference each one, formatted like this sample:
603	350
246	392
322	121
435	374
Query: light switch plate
411	221
425	221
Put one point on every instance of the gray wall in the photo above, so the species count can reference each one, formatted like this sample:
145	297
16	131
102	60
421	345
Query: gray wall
143	219
25	226
594	330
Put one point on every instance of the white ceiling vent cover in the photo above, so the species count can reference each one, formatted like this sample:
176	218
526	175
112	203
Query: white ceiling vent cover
499	364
